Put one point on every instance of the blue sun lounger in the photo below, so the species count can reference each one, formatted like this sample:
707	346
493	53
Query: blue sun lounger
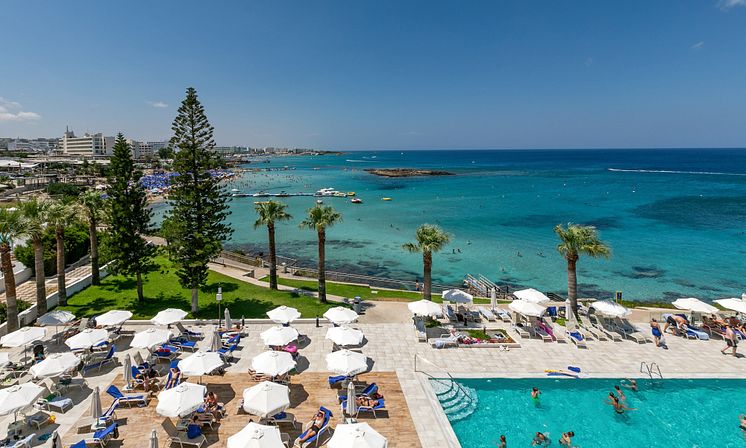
379	407
337	379
80	444
102	437
697	333
324	427
129	398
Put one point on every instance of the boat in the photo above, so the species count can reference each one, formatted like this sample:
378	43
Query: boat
356	201
319	201
350	193
385	199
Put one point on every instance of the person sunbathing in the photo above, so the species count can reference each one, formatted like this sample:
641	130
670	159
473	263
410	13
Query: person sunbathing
315	426
175	376
366	401
211	402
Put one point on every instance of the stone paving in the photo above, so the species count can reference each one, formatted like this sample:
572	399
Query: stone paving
26	291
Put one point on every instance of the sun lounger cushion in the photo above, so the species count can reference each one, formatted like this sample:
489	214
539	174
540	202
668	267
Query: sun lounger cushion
80	444
700	334
336	379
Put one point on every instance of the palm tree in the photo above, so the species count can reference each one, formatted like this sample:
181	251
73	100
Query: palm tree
61	215
575	240
11	227
430	238
92	204
270	212
34	214
319	218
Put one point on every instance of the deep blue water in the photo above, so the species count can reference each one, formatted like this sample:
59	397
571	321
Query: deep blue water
675	219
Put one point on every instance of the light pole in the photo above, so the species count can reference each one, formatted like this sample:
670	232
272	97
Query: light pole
218	298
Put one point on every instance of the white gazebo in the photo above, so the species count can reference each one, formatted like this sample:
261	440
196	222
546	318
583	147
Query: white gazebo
531	295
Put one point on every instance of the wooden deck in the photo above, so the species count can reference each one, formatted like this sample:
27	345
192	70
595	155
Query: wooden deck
308	391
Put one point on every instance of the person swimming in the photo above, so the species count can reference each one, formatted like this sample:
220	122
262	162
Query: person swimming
620	393
742	421
630	384
503	442
540	440
619	408
535	392
566	439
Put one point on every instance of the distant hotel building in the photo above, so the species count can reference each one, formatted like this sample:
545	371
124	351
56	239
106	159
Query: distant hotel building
89	145
37	145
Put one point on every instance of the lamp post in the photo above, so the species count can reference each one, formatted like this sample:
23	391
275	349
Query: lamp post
218	298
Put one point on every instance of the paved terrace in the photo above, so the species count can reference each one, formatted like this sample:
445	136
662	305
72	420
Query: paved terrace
392	346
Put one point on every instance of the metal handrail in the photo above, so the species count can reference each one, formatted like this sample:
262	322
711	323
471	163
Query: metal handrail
452	379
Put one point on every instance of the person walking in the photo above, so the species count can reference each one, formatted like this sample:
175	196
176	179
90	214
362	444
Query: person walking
730	340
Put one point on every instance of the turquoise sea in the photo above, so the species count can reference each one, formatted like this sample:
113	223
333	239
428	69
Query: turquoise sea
675	219
668	413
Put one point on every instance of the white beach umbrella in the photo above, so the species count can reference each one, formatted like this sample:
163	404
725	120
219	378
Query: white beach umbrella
351	403
87	338
127	371
54	365
283	314
346	362
56	440
255	435
425	308
609	308
737	305
153	439
96	408
457	296
150	338
532	295
340	315
19	397
228	321
266	398
4	359
217	342
168	316
527	308
23	336
569	315
113	317
273	363
181	400
344	335
694	305
279	335
55	318
356	435
493	298
200	363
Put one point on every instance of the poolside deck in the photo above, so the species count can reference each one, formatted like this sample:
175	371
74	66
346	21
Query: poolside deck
308	391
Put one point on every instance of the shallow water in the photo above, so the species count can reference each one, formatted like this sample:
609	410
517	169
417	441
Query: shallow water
675	219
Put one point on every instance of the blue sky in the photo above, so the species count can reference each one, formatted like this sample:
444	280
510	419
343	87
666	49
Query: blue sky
383	74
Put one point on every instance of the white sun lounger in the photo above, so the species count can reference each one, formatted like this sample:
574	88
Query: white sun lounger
522	332
502	314
487	314
559	333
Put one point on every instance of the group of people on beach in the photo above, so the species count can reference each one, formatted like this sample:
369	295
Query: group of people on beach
679	325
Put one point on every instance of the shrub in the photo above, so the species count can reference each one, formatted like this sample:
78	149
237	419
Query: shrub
64	190
4	309
77	245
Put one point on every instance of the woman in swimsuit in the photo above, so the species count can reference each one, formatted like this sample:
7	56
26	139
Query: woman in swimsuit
366	401
656	330
620	393
566	439
316	423
535	392
619	408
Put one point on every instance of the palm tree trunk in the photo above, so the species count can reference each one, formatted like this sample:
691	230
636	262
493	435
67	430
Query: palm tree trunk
272	257
10	288
195	300
41	287
322	262
95	276
427	265
140	296
572	283
61	289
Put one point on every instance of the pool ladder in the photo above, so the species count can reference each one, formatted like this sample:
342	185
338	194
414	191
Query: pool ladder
650	369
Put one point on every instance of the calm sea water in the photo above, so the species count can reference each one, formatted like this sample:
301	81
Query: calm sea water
670	413
675	219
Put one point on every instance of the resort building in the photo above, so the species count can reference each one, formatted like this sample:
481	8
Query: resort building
89	145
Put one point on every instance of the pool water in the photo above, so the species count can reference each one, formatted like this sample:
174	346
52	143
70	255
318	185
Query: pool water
671	413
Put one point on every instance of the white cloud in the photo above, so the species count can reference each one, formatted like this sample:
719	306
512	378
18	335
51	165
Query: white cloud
698	46
728	4
158	104
12	111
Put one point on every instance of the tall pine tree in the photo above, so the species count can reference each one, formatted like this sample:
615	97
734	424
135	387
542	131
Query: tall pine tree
129	217
196	227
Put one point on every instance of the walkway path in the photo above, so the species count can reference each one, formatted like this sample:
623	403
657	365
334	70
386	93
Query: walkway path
26	291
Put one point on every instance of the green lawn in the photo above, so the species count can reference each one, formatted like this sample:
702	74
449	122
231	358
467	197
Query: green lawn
365	292
162	291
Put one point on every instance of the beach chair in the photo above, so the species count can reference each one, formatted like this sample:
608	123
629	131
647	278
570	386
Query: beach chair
102	436
324	428
448	312
334	380
588	327
631	332
232	339
25	442
420	330
381	406
487	314
176	437
139	399
187	333
183	344
108	417
75	329
80	444
66	382
542	333
166	352
502	314
522	332
599	325
170	376
139	362
53	399
98	362
576	337
445	340
38	419
558	332
227	352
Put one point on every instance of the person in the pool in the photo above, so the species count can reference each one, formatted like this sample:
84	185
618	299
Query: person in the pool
566	439
535	392
630	384
540	440
620	393
742	422
503	442
619	408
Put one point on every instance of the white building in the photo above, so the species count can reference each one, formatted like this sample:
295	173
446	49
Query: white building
37	145
89	145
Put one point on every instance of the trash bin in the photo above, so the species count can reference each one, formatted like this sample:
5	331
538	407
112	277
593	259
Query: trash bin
356	306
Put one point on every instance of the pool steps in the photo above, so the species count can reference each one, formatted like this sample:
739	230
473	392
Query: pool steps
458	401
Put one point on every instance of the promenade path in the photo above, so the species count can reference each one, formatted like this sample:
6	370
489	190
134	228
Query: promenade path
26	291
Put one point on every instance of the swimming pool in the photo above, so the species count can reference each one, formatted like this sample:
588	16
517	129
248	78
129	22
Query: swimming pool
673	413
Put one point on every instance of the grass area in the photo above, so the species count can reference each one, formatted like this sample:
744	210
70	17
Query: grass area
162	290
365	292
478	334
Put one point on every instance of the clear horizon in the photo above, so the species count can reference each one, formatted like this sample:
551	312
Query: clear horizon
386	75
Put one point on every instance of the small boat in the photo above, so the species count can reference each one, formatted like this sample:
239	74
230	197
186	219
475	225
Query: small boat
350	193
356	201
385	199
319	201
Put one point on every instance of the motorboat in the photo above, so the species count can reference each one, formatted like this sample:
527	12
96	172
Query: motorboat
356	201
